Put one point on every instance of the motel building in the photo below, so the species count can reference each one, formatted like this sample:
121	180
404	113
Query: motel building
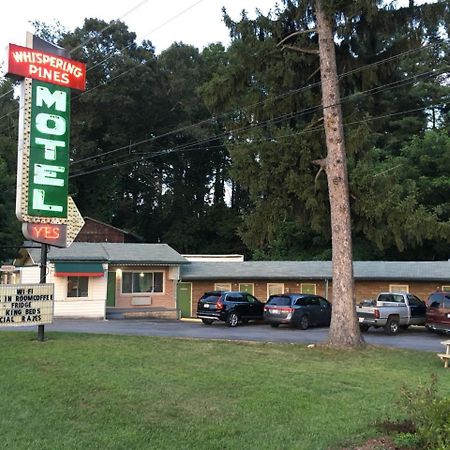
128	280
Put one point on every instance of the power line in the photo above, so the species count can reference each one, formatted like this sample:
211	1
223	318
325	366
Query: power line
287	116
92	37
304	131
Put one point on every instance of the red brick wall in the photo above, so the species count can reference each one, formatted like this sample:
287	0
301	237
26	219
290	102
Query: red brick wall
363	289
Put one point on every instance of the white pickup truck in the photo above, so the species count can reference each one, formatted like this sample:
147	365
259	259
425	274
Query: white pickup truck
392	311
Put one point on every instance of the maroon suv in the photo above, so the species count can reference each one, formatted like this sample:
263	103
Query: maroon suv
438	312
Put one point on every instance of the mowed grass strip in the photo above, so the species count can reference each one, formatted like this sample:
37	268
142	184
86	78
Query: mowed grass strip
78	391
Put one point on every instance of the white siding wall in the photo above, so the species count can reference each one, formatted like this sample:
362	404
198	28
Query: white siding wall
91	307
29	274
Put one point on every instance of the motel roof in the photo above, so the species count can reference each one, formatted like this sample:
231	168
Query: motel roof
315	270
113	253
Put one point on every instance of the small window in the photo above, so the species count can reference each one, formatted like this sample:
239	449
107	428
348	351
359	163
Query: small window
308	288
222	286
77	286
446	288
398	288
142	282
247	287
275	288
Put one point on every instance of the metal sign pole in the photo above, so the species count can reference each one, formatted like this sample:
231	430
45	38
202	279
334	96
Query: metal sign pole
43	280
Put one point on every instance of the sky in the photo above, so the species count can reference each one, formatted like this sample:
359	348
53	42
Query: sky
195	22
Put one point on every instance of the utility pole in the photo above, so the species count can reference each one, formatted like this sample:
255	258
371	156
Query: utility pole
344	328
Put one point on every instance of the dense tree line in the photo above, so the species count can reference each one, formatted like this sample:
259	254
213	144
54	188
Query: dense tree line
213	151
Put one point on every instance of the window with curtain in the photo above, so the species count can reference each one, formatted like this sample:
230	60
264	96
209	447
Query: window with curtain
77	286
141	282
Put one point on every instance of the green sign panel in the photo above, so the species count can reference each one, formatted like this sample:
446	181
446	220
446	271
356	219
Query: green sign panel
49	150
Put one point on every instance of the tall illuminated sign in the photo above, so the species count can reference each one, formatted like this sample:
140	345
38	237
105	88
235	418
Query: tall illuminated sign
44	131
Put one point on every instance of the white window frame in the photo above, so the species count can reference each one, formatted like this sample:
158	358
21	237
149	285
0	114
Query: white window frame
253	287
308	284
269	285
445	288
142	293
399	288
222	286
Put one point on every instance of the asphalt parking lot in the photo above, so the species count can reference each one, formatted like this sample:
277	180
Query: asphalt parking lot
415	338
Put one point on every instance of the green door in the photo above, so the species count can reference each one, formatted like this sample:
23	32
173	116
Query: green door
111	289
184	297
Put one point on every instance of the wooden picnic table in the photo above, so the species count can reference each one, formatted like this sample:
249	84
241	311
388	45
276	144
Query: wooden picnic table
445	356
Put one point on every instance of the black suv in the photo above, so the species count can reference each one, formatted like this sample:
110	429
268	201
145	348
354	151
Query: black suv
229	306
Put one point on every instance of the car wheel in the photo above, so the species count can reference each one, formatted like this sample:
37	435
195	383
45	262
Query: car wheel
363	327
232	319
303	323
392	326
207	321
274	325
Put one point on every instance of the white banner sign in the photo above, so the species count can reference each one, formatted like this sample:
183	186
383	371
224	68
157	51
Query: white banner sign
26	304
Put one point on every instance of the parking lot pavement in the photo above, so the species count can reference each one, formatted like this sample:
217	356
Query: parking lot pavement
415	338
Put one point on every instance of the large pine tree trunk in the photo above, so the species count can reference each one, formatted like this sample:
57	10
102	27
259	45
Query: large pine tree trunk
344	329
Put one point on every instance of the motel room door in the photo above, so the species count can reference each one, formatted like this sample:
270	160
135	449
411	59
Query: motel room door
111	289
184	298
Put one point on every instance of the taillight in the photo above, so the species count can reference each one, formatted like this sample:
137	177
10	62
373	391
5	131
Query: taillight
219	304
376	313
288	310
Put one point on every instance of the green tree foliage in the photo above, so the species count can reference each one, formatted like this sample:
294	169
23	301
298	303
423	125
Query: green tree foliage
272	66
10	235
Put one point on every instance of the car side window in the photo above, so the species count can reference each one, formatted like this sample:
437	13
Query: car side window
301	302
435	300
251	299
323	303
414	301
314	301
235	298
447	301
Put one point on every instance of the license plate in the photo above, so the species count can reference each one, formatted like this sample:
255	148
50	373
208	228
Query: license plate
274	311
361	319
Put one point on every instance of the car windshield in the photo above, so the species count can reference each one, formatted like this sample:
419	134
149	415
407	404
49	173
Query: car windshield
279	300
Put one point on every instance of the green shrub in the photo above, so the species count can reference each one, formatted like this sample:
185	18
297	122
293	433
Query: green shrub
429	413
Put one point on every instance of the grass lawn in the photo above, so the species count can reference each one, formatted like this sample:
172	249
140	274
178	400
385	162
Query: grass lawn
78	391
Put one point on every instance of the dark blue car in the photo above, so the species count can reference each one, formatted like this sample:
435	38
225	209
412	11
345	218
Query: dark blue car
299	310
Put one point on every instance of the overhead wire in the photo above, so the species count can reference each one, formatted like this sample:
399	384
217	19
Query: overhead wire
82	44
310	130
376	90
217	117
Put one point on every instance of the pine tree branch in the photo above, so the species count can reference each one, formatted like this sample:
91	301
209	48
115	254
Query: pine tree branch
295	33
322	163
301	50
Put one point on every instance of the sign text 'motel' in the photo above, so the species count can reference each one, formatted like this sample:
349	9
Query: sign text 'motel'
49	150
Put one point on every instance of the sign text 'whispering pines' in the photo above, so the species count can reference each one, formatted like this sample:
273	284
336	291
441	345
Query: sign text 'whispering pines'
26	304
30	63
